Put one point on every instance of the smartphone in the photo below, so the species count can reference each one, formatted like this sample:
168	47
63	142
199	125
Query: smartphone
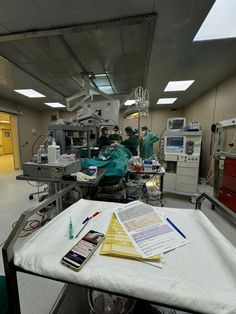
81	252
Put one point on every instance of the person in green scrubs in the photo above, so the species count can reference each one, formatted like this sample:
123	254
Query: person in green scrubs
115	136
148	139
104	139
131	142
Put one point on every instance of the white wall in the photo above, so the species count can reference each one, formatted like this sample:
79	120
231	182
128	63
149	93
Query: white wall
217	104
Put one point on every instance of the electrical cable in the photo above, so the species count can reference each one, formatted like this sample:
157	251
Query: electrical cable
32	148
30	226
36	186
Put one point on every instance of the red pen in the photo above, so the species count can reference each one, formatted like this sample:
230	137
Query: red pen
95	214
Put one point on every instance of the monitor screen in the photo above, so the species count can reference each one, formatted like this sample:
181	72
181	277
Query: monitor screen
175	142
175	124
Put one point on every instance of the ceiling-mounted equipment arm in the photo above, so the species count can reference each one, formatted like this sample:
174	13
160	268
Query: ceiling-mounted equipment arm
85	94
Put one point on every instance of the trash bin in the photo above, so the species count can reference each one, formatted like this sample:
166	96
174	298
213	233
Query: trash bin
107	303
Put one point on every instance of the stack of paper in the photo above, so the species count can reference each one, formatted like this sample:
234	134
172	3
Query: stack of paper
136	231
117	242
149	234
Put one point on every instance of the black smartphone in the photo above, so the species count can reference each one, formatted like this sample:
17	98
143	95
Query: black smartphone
81	252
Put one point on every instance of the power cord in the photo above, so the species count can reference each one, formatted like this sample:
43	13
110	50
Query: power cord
35	185
32	148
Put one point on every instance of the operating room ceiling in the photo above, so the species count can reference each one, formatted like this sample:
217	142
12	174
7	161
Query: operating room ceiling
47	44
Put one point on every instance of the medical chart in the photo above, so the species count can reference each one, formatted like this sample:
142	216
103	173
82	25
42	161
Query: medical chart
149	234
117	243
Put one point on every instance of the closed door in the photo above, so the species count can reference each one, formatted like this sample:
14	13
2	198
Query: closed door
7	141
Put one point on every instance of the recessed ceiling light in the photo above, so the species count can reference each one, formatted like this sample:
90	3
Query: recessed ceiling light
101	74
54	104
31	93
4	121
220	22
106	89
174	86
163	101
129	102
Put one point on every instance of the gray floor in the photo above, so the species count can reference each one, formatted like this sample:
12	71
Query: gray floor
37	295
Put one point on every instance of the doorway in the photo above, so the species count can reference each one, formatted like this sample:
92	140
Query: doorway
9	145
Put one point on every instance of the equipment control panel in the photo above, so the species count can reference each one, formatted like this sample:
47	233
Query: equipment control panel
189	158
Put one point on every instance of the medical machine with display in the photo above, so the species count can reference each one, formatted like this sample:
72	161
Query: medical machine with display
182	157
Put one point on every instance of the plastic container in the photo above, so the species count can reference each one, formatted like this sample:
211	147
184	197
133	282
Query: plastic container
92	171
53	153
42	155
107	303
147	165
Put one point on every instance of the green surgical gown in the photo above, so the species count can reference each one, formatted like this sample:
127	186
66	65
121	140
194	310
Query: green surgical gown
148	140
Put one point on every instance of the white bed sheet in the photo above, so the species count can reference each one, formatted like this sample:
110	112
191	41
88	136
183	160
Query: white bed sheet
200	276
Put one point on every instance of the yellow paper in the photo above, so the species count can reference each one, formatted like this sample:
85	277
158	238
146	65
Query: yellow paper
117	243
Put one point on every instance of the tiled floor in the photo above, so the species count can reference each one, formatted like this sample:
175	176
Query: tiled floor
37	295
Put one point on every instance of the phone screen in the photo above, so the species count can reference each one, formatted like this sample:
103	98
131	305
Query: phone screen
83	249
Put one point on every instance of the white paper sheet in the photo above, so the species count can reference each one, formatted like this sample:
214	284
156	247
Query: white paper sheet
148	232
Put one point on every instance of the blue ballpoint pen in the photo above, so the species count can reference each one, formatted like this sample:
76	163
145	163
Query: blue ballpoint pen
84	225
85	220
176	228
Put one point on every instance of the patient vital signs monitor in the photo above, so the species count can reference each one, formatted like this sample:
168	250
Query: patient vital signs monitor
176	124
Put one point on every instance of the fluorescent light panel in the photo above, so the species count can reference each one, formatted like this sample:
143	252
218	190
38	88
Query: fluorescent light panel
31	93
164	101
106	89
101	74
174	86
129	102
4	121
54	104
220	22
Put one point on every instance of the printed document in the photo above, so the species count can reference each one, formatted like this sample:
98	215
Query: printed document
149	234
117	243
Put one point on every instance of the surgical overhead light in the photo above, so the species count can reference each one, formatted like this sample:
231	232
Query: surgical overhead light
138	106
136	115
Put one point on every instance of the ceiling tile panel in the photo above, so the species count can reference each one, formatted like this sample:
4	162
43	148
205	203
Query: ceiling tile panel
3	30
81	17
131	4
25	24
60	7
25	9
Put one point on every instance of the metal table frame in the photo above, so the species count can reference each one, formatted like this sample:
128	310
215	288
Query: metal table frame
8	250
153	174
56	185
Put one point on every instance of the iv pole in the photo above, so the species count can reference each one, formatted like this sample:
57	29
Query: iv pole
142	104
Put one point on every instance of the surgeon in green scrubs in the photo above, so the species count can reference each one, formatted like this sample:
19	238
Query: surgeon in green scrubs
131	143
104	138
148	139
